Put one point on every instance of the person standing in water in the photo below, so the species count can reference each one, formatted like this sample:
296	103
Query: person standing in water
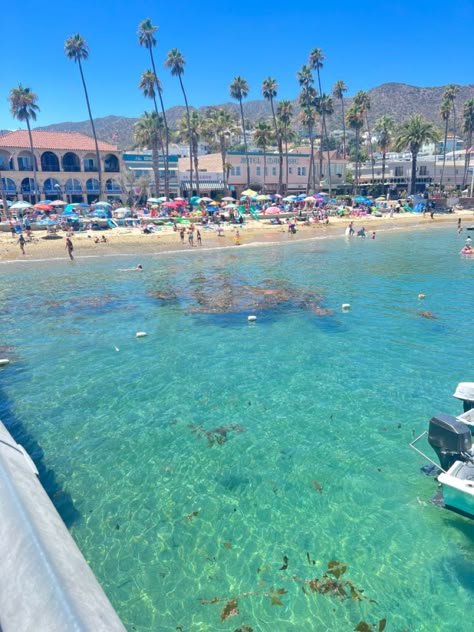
69	248
22	242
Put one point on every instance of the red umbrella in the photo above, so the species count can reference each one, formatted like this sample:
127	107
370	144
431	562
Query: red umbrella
43	207
170	204
180	202
273	210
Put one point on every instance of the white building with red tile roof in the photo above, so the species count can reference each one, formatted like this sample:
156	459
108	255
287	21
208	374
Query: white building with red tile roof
66	165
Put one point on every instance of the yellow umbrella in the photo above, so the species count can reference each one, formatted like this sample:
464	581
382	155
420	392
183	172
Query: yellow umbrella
249	192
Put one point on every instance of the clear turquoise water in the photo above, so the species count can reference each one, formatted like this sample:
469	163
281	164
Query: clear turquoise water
166	519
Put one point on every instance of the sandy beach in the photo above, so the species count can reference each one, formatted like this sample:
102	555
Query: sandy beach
132	241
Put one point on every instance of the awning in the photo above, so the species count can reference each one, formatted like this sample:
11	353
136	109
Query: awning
209	185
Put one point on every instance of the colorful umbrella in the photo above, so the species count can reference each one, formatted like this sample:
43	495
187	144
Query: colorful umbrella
273	209
21	204
58	203
249	193
228	199
43	207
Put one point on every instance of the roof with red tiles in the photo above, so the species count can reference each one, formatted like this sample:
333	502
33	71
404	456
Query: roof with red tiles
53	140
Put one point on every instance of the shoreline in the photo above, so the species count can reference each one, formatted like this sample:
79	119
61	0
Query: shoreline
124	242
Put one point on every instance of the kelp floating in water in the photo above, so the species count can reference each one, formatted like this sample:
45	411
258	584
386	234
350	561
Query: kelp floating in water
362	626
216	435
329	584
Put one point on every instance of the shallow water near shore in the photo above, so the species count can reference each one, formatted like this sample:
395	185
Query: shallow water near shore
216	457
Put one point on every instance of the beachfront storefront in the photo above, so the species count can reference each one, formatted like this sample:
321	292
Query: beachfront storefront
66	167
264	171
140	164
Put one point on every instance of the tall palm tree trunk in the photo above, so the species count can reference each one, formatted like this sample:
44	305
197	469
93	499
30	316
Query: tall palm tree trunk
196	167
413	172
156	168
357	160
280	148
188	119
97	155
454	145
328	152
343	129
33	159
223	158
444	153
4	198
286	152
467	159
245	141
384	157
371	149
264	170
167	133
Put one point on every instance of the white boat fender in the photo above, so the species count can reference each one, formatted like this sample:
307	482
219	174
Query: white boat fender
4	362
421	296
141	334
346	307
251	319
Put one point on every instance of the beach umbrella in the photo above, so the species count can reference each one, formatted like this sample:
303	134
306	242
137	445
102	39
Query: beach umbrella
69	215
9	203
70	208
58	203
100	213
230	206
228	199
248	193
122	209
289	198
195	199
43	207
273	210
263	197
156	200
277	195
309	199
206	199
180	202
84	205
21	204
103	205
170	205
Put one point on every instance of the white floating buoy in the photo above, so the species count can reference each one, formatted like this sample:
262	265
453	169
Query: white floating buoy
141	334
116	349
346	307
4	362
251	319
421	296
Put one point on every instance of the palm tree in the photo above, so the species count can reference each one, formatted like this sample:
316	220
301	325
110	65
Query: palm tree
325	108
468	129
175	62
412	134
355	120
269	92
263	137
338	93
149	85
196	127
362	99
24	107
384	126
449	95
76	48
3	195
239	90
146	37
285	115
445	111
219	127
307	100
316	59
148	134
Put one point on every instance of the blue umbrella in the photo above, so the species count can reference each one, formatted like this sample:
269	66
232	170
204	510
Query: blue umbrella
69	216
84	205
46	222
100	213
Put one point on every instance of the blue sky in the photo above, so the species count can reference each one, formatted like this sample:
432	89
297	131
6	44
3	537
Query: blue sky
366	43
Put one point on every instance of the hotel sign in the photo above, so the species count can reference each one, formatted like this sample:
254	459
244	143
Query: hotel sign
270	160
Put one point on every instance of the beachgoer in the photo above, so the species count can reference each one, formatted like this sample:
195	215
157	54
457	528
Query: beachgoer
12	228
361	232
237	238
432	214
190	237
468	240
22	242
104	239
97	240
69	248
181	235
139	267
351	228
373	235
199	238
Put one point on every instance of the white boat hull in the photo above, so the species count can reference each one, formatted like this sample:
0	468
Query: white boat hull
458	488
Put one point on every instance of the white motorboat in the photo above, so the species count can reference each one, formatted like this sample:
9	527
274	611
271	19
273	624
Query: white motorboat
451	439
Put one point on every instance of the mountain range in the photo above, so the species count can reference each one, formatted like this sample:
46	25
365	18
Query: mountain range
398	100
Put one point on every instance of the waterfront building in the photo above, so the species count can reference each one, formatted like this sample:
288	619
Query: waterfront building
66	165
264	171
140	164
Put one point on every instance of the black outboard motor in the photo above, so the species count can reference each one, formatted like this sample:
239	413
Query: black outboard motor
450	439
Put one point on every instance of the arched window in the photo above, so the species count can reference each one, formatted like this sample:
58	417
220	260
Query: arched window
27	185
24	161
113	186
6	161
49	161
92	185
111	164
9	186
73	186
71	162
51	185
90	163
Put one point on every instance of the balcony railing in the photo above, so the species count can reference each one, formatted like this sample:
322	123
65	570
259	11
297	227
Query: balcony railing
71	168
111	169
89	169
